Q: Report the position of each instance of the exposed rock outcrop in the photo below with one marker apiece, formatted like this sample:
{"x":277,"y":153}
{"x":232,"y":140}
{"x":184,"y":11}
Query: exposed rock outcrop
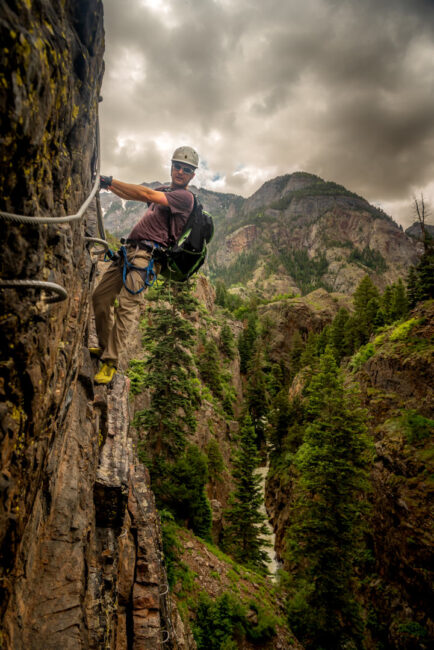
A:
{"x":287,"y":317}
{"x":80,"y":541}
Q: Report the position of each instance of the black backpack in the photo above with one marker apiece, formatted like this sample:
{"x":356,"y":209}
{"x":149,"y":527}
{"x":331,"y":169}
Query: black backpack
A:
{"x":186,"y":255}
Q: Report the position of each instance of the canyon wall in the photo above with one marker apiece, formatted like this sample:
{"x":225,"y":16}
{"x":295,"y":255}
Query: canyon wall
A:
{"x":80,"y":542}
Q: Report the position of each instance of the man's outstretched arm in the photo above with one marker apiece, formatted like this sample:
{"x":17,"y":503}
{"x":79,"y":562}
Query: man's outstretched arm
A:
{"x":132,"y":192}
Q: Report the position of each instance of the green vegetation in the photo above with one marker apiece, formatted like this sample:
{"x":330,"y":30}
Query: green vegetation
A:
{"x":369,"y":257}
{"x":227,"y":342}
{"x":168,"y":337}
{"x":137,"y":373}
{"x":209,"y":367}
{"x":246,"y":524}
{"x":324,"y":534}
{"x":415,"y":426}
{"x":402,"y":331}
{"x":226,"y":620}
{"x":421,"y":277}
{"x":361,"y":357}
{"x":307,"y":272}
{"x":246,"y":341}
{"x":242,"y":267}
{"x":113,"y":241}
{"x":221,"y":622}
{"x":215,"y":461}
{"x":178,"y":470}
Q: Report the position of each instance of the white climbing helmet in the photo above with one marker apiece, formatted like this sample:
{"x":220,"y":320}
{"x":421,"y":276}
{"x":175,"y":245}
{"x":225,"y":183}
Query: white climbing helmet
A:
{"x":186,"y":155}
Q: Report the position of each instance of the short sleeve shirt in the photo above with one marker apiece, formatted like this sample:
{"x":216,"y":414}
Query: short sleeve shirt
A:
{"x":153,"y":226}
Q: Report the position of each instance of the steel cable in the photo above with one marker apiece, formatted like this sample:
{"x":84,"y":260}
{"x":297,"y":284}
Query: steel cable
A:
{"x":20,"y":218}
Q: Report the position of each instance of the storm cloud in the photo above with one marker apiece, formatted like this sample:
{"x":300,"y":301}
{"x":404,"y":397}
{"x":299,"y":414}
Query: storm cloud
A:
{"x":342,"y":89}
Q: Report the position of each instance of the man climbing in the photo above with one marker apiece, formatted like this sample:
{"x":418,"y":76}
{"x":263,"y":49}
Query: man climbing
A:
{"x":168,"y":209}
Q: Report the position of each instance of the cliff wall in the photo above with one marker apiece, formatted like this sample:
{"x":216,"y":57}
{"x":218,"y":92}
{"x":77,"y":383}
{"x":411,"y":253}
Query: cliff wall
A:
{"x":80,"y":542}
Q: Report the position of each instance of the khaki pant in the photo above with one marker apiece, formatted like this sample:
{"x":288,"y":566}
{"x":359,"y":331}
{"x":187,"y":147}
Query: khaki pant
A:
{"x":112,"y":331}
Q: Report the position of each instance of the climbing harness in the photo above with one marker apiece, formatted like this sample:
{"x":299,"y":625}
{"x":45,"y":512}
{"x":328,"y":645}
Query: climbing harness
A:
{"x":52,"y":286}
{"x":127,"y":267}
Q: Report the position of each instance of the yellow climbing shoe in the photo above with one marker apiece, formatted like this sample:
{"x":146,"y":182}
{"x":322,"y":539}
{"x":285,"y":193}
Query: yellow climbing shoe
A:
{"x":95,"y":352}
{"x":106,"y":374}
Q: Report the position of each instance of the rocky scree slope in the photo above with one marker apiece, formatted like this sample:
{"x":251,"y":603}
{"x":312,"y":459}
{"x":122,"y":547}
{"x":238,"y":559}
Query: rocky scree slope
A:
{"x":80,"y":542}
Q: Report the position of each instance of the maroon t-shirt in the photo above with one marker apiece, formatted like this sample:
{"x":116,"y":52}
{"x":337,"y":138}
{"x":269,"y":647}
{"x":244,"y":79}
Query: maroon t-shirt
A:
{"x":153,"y":225}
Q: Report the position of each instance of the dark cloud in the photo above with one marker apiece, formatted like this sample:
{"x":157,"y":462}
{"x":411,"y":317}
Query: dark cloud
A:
{"x":343,"y":89}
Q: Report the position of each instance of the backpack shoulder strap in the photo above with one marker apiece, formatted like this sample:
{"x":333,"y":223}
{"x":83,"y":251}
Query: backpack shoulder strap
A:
{"x":172,"y":238}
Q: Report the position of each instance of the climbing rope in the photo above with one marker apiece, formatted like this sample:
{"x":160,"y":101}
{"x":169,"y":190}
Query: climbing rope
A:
{"x":20,"y":218}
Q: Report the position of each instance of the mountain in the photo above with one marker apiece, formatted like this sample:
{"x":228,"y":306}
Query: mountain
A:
{"x":298,"y":233}
{"x":415,"y":230}
{"x":295,"y":234}
{"x":120,"y":216}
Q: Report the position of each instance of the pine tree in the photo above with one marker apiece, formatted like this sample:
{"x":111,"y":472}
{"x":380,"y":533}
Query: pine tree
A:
{"x":247,"y":340}
{"x":215,"y":461}
{"x":399,"y":304}
{"x":386,"y":304}
{"x":366,"y":303}
{"x":323,"y":340}
{"x":297,"y":347}
{"x":275,"y":379}
{"x":257,"y":397}
{"x":246,"y":523}
{"x":227,"y":341}
{"x":421,"y":278}
{"x":182,"y":489}
{"x":325,"y":530}
{"x":280,"y":421}
{"x":337,"y":335}
{"x":220,"y":294}
{"x":308,"y":356}
{"x":168,"y":338}
{"x":209,"y":368}
{"x":414,"y":291}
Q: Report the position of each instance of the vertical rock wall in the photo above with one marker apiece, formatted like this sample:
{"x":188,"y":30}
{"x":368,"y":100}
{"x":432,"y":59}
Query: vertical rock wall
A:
{"x":80,"y":546}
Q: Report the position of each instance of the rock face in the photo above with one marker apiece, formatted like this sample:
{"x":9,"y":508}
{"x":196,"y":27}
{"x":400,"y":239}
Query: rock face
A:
{"x":238,"y":242}
{"x":397,"y":386}
{"x":287,"y":317}
{"x":80,"y":542}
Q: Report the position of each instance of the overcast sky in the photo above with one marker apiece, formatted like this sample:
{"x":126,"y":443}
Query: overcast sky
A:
{"x":339,"y":88}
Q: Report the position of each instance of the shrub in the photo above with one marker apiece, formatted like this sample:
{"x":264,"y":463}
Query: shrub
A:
{"x":221,"y":622}
{"x":361,"y":357}
{"x":416,"y":426}
{"x":137,"y":374}
{"x":401,"y":332}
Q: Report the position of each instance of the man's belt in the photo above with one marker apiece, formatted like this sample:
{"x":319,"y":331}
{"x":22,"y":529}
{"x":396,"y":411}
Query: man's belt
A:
{"x":143,"y":244}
